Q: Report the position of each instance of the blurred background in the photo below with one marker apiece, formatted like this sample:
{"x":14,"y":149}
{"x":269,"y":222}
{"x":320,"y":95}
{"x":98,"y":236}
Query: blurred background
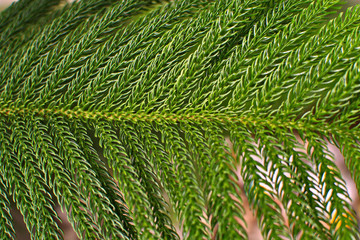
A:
{"x":253,"y":231}
{"x":4,"y":4}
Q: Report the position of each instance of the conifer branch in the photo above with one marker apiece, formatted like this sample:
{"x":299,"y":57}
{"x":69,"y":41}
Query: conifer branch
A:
{"x":6,"y":221}
{"x":143,"y":119}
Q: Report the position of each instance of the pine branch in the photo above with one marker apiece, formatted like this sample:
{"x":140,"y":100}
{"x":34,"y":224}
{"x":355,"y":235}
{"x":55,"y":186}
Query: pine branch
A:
{"x":116,"y":201}
{"x":45,"y":224}
{"x":335,"y":200}
{"x":135,"y":194}
{"x":144,"y":118}
{"x":60,"y":181}
{"x":316,"y":49}
{"x":219,"y":172}
{"x":6,"y":230}
{"x":275,"y":51}
{"x":222,"y":76}
{"x":26,"y":16}
{"x":148,"y":177}
{"x":98,"y":32}
{"x":129,"y":61}
{"x":297,"y":192}
{"x":196,"y":65}
{"x":257,"y":189}
{"x":190,"y":186}
{"x":15,"y":180}
{"x":27,"y":34}
{"x":48,"y":39}
{"x":85,"y":177}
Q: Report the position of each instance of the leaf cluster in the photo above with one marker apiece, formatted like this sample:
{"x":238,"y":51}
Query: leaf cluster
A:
{"x":155,"y":119}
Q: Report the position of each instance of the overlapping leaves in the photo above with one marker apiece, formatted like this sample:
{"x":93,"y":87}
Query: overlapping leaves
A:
{"x":142,"y":118}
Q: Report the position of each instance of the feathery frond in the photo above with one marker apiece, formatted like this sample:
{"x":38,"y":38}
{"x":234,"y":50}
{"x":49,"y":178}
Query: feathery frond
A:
{"x":143,"y":119}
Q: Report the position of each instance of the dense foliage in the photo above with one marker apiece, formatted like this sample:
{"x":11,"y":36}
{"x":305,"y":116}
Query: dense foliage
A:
{"x":143,"y":118}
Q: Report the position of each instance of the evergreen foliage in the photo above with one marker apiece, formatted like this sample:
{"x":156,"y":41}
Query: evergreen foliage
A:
{"x":140,"y":117}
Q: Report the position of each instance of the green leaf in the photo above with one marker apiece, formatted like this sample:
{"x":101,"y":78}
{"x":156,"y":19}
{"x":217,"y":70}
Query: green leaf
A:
{"x":160,"y":119}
